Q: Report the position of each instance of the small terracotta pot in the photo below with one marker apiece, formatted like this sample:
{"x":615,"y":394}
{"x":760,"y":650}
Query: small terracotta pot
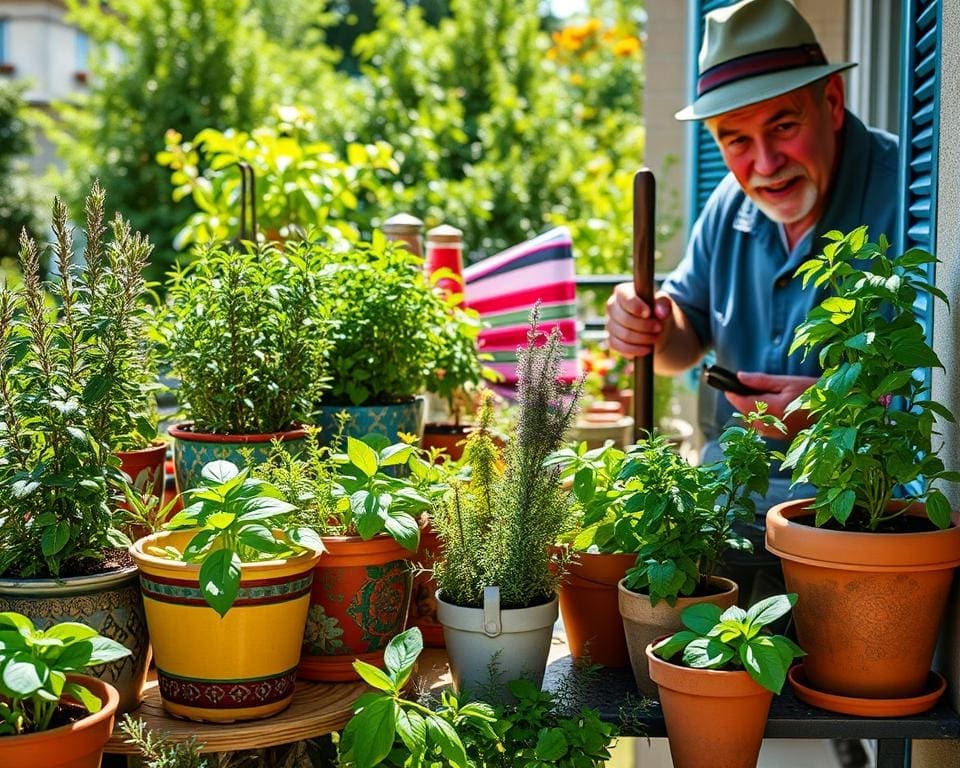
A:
{"x":712,"y":717}
{"x":589,"y":604}
{"x":77,"y":745}
{"x":643,"y":623}
{"x":145,"y":467}
{"x":869,"y":605}
{"x":360,"y":599}
{"x":450,"y":437}
{"x":192,"y":450}
{"x":423,"y":600}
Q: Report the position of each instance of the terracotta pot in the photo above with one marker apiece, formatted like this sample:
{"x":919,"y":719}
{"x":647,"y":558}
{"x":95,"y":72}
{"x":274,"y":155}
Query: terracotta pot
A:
{"x":77,"y":745}
{"x":192,"y":450}
{"x":589,"y":604}
{"x":712,"y":717}
{"x":145,"y":467}
{"x":643,"y":623}
{"x":242,"y":666}
{"x":869,"y":605}
{"x":109,"y":602}
{"x":359,"y":601}
{"x":423,"y":599}
{"x":449,"y":437}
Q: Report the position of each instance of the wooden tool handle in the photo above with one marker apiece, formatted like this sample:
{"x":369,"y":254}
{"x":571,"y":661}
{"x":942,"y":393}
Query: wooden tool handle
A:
{"x":644,"y":247}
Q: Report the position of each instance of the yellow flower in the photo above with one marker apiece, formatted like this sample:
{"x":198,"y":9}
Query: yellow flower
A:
{"x":626,"y":46}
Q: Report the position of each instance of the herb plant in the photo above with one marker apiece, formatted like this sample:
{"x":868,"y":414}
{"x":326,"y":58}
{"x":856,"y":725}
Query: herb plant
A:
{"x":389,"y":730}
{"x":34,"y":665}
{"x":75,"y":384}
{"x":395,"y":334}
{"x":735,"y":639}
{"x":241,"y":519}
{"x":498,"y":527}
{"x":684,"y":515}
{"x":246,"y":334}
{"x":872,"y":419}
{"x":351,"y":494}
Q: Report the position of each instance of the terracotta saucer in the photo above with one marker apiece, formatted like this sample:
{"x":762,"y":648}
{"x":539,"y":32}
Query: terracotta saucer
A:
{"x":850,"y":705}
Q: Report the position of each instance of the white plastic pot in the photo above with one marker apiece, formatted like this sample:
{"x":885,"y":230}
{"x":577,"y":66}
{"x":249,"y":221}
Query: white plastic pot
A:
{"x":493,"y":646}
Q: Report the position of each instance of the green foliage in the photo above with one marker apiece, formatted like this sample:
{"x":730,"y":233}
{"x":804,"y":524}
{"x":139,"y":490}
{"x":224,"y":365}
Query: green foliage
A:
{"x":246,"y":334}
{"x":352,"y":493}
{"x":75,"y":382}
{"x":872,"y":419}
{"x":684,"y":515}
{"x":301,"y":183}
{"x":389,"y":730}
{"x":160,"y":750}
{"x":240,"y":519}
{"x":34,"y":665}
{"x":394,"y":332}
{"x":19,"y":198}
{"x":735,"y":639}
{"x":498,"y":527}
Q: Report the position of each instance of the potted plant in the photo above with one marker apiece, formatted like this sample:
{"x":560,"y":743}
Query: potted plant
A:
{"x":50,"y":714}
{"x":864,"y":564}
{"x":70,"y":384}
{"x":245,"y":333}
{"x":684,"y":517}
{"x":368,"y":521}
{"x":497,"y":581}
{"x":716,"y":679}
{"x":234,"y":564}
{"x":394,"y":333}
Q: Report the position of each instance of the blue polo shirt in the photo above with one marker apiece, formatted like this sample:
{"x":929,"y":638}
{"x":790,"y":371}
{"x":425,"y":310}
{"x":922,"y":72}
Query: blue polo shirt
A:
{"x":735,"y":283}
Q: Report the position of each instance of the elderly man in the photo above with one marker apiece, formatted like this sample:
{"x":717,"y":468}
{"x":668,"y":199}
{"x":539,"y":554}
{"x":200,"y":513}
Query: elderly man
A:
{"x":800,"y":165}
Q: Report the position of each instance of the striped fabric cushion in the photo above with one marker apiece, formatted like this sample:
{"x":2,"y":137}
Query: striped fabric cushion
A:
{"x":503,"y":288}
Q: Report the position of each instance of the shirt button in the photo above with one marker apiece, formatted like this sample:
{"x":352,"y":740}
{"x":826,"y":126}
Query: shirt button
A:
{"x":782,"y":282}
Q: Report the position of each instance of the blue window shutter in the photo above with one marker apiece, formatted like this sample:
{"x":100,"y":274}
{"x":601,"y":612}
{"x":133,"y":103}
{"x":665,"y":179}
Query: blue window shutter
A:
{"x":919,"y":129}
{"x":705,"y":167}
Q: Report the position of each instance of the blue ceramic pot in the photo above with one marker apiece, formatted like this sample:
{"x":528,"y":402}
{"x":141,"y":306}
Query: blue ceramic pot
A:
{"x":387,"y":420}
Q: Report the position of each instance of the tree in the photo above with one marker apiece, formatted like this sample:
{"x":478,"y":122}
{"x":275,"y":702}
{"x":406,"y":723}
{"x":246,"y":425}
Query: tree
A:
{"x":18,"y":198}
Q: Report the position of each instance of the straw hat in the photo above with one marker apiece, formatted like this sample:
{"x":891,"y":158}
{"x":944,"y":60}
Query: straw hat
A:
{"x":752,"y":51}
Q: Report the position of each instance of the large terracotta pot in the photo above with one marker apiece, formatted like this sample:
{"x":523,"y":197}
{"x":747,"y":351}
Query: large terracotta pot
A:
{"x":108,"y":602}
{"x":713,"y":718}
{"x":423,"y":599}
{"x":869,"y":605}
{"x":145,"y":467}
{"x":589,"y":604}
{"x":242,"y":666}
{"x":192,"y":450}
{"x":77,"y":745}
{"x":643,"y":622}
{"x":359,"y":601}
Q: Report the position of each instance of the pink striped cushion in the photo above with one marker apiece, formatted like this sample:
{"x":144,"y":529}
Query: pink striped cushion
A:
{"x":505,"y":287}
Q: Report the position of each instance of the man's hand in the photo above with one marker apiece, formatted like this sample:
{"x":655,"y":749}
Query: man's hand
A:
{"x":634,"y":329}
{"x":777,"y":392}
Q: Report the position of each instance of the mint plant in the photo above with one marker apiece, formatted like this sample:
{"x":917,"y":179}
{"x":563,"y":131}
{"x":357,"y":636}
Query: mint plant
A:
{"x":241,"y":519}
{"x":735,"y":639}
{"x":34,"y":665}
{"x":684,"y":515}
{"x":872,"y":419}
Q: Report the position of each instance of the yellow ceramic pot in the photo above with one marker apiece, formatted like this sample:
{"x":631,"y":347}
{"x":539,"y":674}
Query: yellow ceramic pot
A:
{"x":239,"y":667}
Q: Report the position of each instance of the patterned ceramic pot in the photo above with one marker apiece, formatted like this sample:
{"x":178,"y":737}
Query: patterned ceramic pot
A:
{"x":360,"y":598}
{"x":387,"y":420}
{"x":108,"y":602}
{"x":239,"y":667}
{"x":191,"y":450}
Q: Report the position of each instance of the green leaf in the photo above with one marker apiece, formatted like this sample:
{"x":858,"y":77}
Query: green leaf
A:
{"x":220,"y":579}
{"x":671,"y":646}
{"x":842,"y":505}
{"x":371,"y":732}
{"x":403,"y":528}
{"x":23,"y":675}
{"x":365,"y":507}
{"x":81,"y":694}
{"x":402,"y":652}
{"x":412,"y":730}
{"x":733,"y":613}
{"x":55,"y":538}
{"x":96,"y":388}
{"x":707,"y":653}
{"x":374,"y":676}
{"x":551,"y":745}
{"x":770,"y":609}
{"x":700,"y":617}
{"x":261,"y":539}
{"x":938,"y":509}
{"x":584,"y":484}
{"x":445,"y":737}
{"x":218,"y":472}
{"x":362,"y":456}
{"x":398,"y":453}
{"x":104,"y":650}
{"x":70,"y":632}
{"x":18,"y":622}
{"x":764,"y":663}
{"x":264,"y":508}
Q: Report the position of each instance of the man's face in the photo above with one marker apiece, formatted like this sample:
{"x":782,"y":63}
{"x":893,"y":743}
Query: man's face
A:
{"x":783,"y":151}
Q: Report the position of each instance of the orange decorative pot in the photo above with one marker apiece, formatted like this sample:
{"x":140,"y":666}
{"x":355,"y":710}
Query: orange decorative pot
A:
{"x":644,"y":622}
{"x":360,"y":598}
{"x":423,"y":599}
{"x":451,"y":438}
{"x":712,"y":717}
{"x":869,"y":605}
{"x":77,"y":745}
{"x":590,"y":608}
{"x":146,"y":467}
